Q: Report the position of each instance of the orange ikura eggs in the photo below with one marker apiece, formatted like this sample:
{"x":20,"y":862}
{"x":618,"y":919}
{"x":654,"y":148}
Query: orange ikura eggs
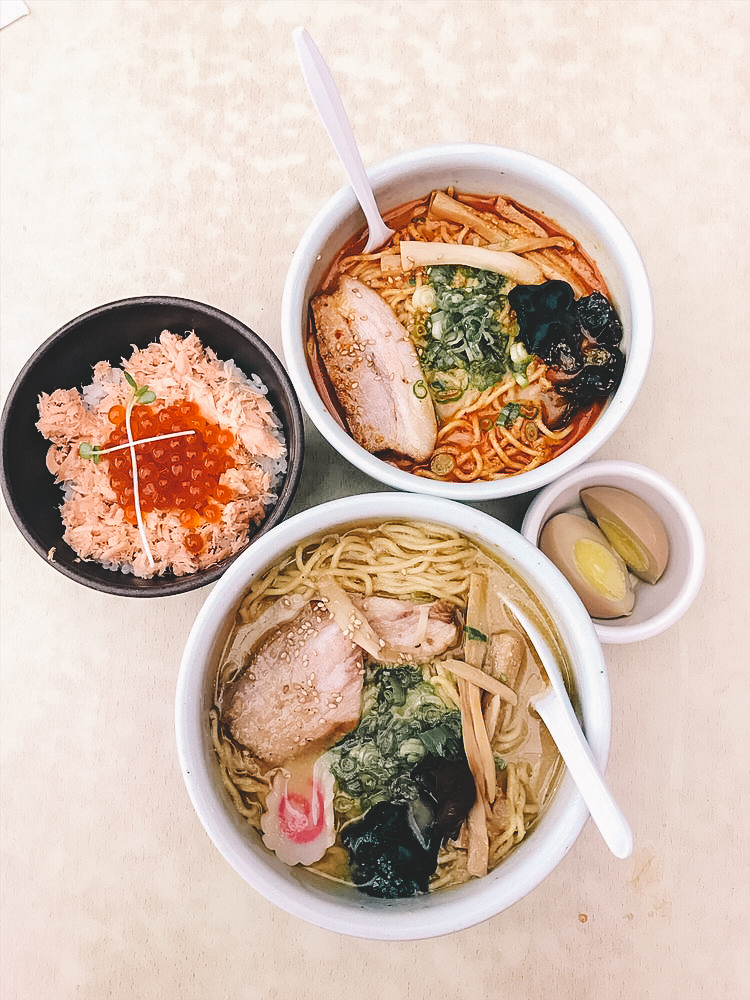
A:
{"x":176,"y":475}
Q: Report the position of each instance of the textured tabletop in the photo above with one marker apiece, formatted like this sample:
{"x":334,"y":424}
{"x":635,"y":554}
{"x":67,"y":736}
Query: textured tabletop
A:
{"x":171,"y":147}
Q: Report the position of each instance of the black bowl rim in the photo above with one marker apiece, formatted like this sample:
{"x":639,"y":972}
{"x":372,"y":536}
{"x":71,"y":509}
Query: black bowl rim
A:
{"x":124,"y":584}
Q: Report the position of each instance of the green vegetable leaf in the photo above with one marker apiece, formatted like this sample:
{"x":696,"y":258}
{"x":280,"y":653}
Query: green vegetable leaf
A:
{"x":437,"y":740}
{"x":403,"y":719}
{"x":130,"y":380}
{"x":508,"y":415}
{"x":474,"y":634}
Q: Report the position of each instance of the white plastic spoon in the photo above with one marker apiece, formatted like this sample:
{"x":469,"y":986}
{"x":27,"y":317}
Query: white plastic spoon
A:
{"x":555,"y":710}
{"x":327,"y":100}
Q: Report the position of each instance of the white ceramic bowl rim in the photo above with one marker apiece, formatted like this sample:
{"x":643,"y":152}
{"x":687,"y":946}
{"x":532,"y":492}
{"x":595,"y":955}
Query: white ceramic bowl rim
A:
{"x":424,"y":916}
{"x":634,"y":475}
{"x":588,"y":205}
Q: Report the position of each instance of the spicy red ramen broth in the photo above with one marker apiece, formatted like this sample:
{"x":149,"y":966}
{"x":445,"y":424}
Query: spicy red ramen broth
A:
{"x":507,"y":342}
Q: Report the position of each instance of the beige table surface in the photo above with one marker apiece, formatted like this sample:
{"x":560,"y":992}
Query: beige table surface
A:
{"x":171,"y":147}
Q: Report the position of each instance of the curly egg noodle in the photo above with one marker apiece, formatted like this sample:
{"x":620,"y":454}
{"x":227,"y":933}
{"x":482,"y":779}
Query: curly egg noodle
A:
{"x":471,"y":444}
{"x":422,"y":562}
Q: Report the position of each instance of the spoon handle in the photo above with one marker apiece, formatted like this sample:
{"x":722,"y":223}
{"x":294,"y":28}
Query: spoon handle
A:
{"x":559,"y":718}
{"x":327,"y":100}
{"x":556,"y":711}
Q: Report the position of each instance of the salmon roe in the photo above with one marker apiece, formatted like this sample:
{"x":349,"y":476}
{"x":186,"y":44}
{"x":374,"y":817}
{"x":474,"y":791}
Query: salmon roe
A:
{"x":178,"y":475}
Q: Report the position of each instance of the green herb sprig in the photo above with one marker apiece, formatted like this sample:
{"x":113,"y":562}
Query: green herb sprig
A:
{"x":141,"y":395}
{"x":94,"y":452}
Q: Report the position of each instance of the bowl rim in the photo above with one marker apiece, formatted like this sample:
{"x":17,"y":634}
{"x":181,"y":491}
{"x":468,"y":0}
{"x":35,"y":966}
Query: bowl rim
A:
{"x":539,"y":510}
{"x":428,"y":916}
{"x":121,"y":583}
{"x":588,"y":204}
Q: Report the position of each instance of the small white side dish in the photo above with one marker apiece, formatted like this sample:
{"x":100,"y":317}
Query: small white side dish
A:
{"x":657,"y":606}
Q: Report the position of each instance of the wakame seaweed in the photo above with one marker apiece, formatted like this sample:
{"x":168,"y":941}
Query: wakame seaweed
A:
{"x":390,"y":856}
{"x":405,"y":768}
{"x":403,"y":719}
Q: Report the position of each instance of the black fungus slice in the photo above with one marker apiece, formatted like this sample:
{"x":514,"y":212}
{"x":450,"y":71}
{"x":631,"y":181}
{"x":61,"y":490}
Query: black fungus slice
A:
{"x":548,"y":323}
{"x":448,"y":787}
{"x":599,"y":321}
{"x":579,"y":340}
{"x":391,"y":855}
{"x":597,"y":379}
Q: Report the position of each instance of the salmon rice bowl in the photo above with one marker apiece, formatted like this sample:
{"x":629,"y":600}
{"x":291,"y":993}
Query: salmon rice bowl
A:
{"x":167,"y":462}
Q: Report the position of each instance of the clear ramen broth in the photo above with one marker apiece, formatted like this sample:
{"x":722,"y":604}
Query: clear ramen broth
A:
{"x":371,"y":715}
{"x":490,"y":347}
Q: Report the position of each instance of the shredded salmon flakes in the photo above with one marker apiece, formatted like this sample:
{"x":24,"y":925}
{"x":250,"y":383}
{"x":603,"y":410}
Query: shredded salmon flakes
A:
{"x":176,"y":369}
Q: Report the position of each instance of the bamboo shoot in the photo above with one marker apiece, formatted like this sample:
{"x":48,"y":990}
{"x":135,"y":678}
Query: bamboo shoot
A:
{"x":415,"y":253}
{"x":462,"y":669}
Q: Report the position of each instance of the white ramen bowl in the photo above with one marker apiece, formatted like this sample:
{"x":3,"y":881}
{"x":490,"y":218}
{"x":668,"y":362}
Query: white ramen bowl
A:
{"x":477,"y":169}
{"x":660,"y":605}
{"x":341,"y":908}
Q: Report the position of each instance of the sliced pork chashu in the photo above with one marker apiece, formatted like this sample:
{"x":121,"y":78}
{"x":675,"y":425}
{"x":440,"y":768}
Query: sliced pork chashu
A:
{"x":300,"y":690}
{"x":409,"y":630}
{"x":373,"y":367}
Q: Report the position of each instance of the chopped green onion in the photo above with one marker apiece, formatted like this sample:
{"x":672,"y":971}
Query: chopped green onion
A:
{"x":442,"y":464}
{"x":518,"y":352}
{"x":420,"y":389}
{"x":447,"y":386}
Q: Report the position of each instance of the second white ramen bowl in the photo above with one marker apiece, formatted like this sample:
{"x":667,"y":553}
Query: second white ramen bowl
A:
{"x":339,"y":907}
{"x":476,"y":169}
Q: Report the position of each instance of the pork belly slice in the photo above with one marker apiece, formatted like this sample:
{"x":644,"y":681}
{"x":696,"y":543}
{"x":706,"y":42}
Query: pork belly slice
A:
{"x":408,"y":629}
{"x":373,"y":367}
{"x":301,"y":689}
